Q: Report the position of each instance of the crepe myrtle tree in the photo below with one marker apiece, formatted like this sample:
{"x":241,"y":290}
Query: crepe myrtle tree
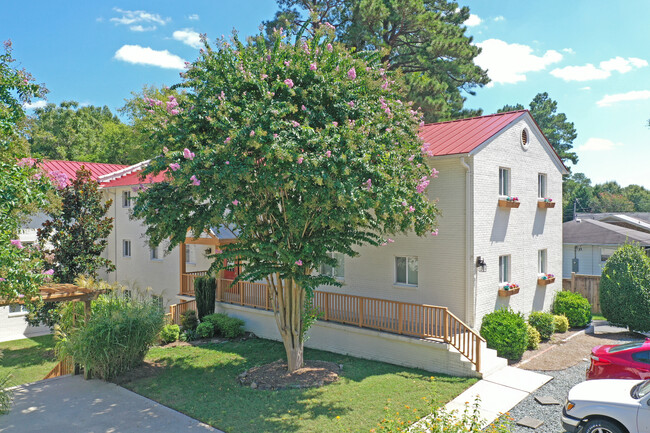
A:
{"x":300,"y":150}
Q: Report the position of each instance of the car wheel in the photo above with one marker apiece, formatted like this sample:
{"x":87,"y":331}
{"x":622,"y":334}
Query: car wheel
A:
{"x":601,"y":426}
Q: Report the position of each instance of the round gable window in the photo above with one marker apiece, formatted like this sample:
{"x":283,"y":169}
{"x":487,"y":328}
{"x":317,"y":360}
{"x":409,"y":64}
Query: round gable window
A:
{"x":525,"y":138}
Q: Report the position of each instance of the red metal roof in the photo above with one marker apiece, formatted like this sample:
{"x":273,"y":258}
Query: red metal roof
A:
{"x":134,"y":178}
{"x":464,"y":135}
{"x":69,"y":168}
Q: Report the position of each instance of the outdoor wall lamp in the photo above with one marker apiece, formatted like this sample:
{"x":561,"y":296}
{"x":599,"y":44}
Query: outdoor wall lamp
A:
{"x":480,"y":264}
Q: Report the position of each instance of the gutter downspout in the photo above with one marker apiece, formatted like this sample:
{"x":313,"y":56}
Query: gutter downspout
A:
{"x":470,"y":301}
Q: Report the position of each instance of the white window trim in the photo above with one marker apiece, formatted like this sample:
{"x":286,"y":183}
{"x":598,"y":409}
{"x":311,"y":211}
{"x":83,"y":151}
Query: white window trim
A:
{"x":188,"y":255}
{"x":508,"y":275}
{"x":405,"y":285}
{"x":128,"y":200}
{"x":539,"y":261}
{"x":508,"y":191}
{"x":21,"y":313}
{"x":542,"y":194}
{"x":334,"y":267}
{"x":151,"y":257}
{"x":130,"y":248}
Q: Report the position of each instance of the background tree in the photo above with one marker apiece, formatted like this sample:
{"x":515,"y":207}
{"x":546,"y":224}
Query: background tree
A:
{"x":22,"y":187}
{"x":300,"y":151}
{"x":578,"y":187}
{"x":639,"y":196}
{"x":78,"y":231}
{"x":88,"y":133}
{"x":558,"y":130}
{"x":425,"y":39}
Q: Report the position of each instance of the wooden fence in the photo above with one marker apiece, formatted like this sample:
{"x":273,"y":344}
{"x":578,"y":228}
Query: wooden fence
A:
{"x":587,"y":285}
{"x":416,"y":320}
{"x":61,"y":369}
{"x":187,"y":282}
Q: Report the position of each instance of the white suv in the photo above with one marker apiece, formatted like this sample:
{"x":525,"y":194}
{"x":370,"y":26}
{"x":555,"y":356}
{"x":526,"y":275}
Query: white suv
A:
{"x":608,"y":406}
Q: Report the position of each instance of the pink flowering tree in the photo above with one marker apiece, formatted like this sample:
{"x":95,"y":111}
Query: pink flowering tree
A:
{"x":299,"y":151}
{"x":23,"y":189}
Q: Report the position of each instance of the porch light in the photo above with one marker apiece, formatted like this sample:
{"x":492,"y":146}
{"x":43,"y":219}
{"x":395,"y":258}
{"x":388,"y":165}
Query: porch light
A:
{"x":480,"y":264}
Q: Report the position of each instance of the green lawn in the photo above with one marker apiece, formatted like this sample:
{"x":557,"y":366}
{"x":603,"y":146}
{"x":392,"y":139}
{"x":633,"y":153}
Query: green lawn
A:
{"x":202,"y":383}
{"x":28,"y":360}
{"x":597,"y":317}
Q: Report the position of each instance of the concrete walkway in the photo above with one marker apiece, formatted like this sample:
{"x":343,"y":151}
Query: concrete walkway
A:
{"x":70,"y":404}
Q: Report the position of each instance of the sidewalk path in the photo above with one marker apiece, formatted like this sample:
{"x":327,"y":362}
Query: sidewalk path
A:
{"x":71,"y":404}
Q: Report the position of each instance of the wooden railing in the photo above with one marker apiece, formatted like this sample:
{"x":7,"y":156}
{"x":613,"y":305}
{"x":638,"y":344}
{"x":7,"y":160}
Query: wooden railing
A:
{"x":61,"y":369}
{"x":417,"y":320}
{"x":187,"y":282}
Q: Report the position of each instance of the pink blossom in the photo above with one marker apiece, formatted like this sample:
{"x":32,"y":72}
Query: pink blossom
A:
{"x":328,"y":153}
{"x":38,"y":176}
{"x":434,"y":173}
{"x":21,"y":296}
{"x":335,"y":124}
{"x":424,"y":182}
{"x":187,"y":154}
{"x":227,"y":140}
{"x":227,"y":162}
{"x":351,"y":104}
{"x":313,"y":67}
{"x":295,"y":124}
{"x":60,"y":178}
{"x":303,"y":108}
{"x":174,"y":166}
{"x":411,"y":158}
{"x":195,"y":181}
{"x":165,"y":150}
{"x":289,"y":82}
{"x":263,"y":76}
{"x":434,"y":233}
{"x":252,"y":134}
{"x":174,"y":112}
{"x":299,"y":262}
{"x":300,"y":160}
{"x":17,"y":243}
{"x":330,"y":47}
{"x":352,"y":73}
{"x":48,"y":272}
{"x":404,"y":203}
{"x":2,"y":279}
{"x":390,"y":241}
{"x":329,"y":26}
{"x":218,"y":251}
{"x":235,"y":202}
{"x":368,"y":184}
{"x":384,"y":244}
{"x":26,"y":162}
{"x":275,"y":135}
{"x":411,"y":209}
{"x":305,"y":48}
{"x":287,"y":62}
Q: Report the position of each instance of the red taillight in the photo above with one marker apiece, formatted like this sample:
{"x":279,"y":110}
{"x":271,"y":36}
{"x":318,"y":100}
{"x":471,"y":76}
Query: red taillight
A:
{"x":596,"y":361}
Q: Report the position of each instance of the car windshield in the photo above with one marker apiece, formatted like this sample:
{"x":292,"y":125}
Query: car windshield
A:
{"x":642,"y":389}
{"x":625,"y":346}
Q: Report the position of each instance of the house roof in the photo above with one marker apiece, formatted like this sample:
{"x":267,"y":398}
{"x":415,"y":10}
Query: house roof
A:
{"x":69,"y":168}
{"x":642,"y":217}
{"x":594,"y":232}
{"x":464,"y":135}
{"x":134,"y":178}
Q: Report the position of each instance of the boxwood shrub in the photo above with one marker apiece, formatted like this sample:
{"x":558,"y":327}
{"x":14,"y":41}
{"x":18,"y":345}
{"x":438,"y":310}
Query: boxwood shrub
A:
{"x":575,"y":307}
{"x":189,"y":321}
{"x":169,"y":333}
{"x":205,"y":330}
{"x":625,"y":288}
{"x":505,"y":331}
{"x":561,"y":323}
{"x":543,"y":322}
{"x":225,"y":326}
{"x":533,"y":337}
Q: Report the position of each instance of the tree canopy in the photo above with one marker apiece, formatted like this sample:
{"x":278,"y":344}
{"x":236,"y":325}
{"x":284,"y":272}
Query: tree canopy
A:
{"x":300,"y":151}
{"x":558,"y":130}
{"x":425,"y":39}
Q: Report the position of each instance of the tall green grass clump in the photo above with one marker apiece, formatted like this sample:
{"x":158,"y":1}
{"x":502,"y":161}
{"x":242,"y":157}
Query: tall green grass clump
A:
{"x":205,"y":295}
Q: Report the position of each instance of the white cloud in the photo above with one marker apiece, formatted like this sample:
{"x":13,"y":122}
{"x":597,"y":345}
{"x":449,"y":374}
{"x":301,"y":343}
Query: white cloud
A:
{"x":568,"y":50}
{"x":193,"y":17}
{"x":509,"y":63}
{"x":34,"y":105}
{"x":603,"y":70}
{"x":135,"y":19}
{"x":473,"y":20}
{"x":188,"y":37}
{"x":599,"y":145}
{"x":585,"y":88}
{"x":146,"y":56}
{"x":499,"y":18}
{"x":635,"y":95}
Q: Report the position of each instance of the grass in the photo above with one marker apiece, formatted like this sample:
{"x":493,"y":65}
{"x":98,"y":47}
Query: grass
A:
{"x":597,"y":317}
{"x":202,"y":383}
{"x":27,"y":360}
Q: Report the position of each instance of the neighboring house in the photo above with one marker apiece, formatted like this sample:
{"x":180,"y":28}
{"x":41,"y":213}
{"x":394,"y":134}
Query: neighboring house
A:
{"x":12,"y":318}
{"x":591,"y":239}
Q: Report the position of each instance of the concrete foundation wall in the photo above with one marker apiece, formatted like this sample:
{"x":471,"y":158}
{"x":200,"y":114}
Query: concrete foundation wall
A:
{"x":363,"y":343}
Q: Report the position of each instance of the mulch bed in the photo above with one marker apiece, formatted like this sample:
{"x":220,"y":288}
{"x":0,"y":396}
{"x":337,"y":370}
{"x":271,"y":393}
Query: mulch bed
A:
{"x":275,"y":376}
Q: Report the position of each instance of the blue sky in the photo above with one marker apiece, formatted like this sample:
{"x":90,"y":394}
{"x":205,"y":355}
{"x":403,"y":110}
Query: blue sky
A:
{"x":590,"y":55}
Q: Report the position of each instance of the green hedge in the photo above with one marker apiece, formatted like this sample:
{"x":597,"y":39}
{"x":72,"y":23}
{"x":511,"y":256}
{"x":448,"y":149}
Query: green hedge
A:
{"x":533,"y":337}
{"x":505,"y":331}
{"x":543,"y":322}
{"x":225,"y":326}
{"x":170,"y":333}
{"x":561,"y":323}
{"x":189,"y":321}
{"x":205,"y":330}
{"x":625,"y":288}
{"x":575,"y":307}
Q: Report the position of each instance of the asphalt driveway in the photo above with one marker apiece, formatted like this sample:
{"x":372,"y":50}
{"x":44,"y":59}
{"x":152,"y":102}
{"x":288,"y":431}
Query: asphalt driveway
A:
{"x":70,"y":404}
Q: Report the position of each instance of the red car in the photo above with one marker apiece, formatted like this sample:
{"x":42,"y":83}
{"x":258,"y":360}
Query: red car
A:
{"x":620,"y":361}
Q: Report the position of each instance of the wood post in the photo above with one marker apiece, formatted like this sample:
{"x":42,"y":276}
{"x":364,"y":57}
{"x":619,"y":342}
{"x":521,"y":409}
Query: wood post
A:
{"x":241,"y":293}
{"x":87,"y":310}
{"x":400,"y":314}
{"x":445,"y":324}
{"x":477,"y":355}
{"x":573,"y":282}
{"x":266,"y":306}
{"x":326,"y":309}
{"x":360,"y":304}
{"x":182,"y":264}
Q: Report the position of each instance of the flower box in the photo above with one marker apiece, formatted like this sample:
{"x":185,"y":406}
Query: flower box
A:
{"x":510,"y":292}
{"x":545,"y":204}
{"x":507,"y":202}
{"x":545,"y":279}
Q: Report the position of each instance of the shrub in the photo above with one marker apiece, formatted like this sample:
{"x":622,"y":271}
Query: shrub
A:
{"x":170,"y":333}
{"x":189,"y":321}
{"x":204,"y":292}
{"x":188,"y":335}
{"x":543,"y":322}
{"x":205,"y":330}
{"x":561,"y":323}
{"x":533,"y":337}
{"x":574,"y":306}
{"x":625,"y":288}
{"x":6,"y":394}
{"x":505,"y":331}
{"x":116,"y":337}
{"x":226,"y":326}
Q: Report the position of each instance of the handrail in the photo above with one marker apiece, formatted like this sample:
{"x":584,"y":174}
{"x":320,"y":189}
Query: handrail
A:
{"x":187,"y":282}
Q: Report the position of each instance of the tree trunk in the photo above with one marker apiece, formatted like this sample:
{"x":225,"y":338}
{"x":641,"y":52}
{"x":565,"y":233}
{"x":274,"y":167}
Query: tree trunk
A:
{"x":289,"y":308}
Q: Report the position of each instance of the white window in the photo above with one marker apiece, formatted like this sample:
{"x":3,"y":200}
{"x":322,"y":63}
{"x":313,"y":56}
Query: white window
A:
{"x":189,"y":254}
{"x":606,"y":253}
{"x":406,"y":270}
{"x":126,"y":199}
{"x":154,"y":253}
{"x":541,"y":261}
{"x":504,"y":181}
{"x":504,"y":269}
{"x":337,"y":271}
{"x":17,"y":309}
{"x":126,"y":248}
{"x":158,"y":300}
{"x":541,"y":185}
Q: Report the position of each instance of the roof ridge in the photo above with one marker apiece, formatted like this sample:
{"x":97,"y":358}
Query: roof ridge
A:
{"x":476,"y":117}
{"x":80,"y":162}
{"x":123,"y":172}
